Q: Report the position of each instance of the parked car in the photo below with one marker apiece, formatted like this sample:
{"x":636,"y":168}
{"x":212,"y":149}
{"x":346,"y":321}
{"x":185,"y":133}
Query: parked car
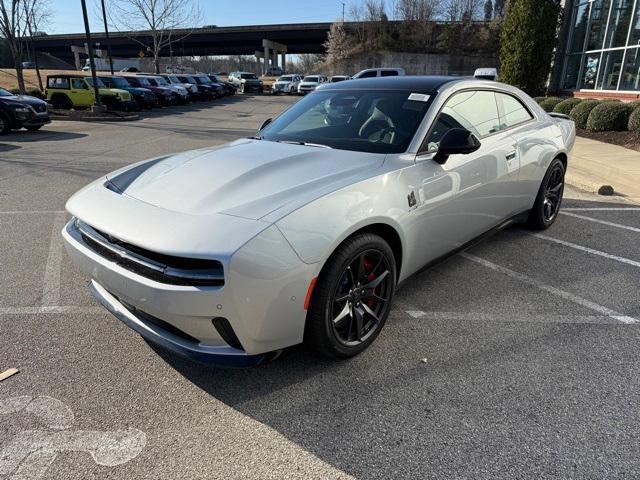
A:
{"x":274,"y":72}
{"x":310,"y":83}
{"x":28,"y":65}
{"x":228,"y":88}
{"x":339,"y":78}
{"x":21,"y":111}
{"x":204,"y":92}
{"x":216,"y":89}
{"x":246,"y":82}
{"x":380,"y":72}
{"x":143,"y":97}
{"x":192,"y":88}
{"x":303,"y":232}
{"x":182,"y":95}
{"x":165,"y":95}
{"x":67,"y":91}
{"x":286,"y":84}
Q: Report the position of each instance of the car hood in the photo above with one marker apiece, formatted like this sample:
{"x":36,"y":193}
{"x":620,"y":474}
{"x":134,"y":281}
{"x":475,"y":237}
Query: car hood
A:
{"x":310,"y":84}
{"x":282,"y":83}
{"x":246,"y":178}
{"x":24,"y":99}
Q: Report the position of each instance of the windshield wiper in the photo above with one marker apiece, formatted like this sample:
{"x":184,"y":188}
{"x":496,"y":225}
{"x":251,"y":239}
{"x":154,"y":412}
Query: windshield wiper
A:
{"x":306,"y":144}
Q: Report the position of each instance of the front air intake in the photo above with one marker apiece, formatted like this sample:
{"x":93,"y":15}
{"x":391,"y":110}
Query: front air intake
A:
{"x":225,"y":330}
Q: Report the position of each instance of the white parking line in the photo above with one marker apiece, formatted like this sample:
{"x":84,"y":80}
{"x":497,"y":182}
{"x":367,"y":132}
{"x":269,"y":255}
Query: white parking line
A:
{"x":603,"y":222}
{"x":599,"y":209}
{"x":553,"y":290}
{"x":588,"y":250}
{"x":51,"y":280}
{"x":511,"y":317}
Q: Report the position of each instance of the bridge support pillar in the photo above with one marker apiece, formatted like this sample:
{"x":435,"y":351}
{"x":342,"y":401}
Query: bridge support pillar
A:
{"x":283,"y":61}
{"x":275,"y":48}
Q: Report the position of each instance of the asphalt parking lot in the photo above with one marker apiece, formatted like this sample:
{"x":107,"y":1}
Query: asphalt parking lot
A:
{"x":516,"y":359}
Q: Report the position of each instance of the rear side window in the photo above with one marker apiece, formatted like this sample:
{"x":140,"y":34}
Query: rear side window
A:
{"x":389,"y":73}
{"x":57,"y":82}
{"x":476,"y":111}
{"x":512,"y":111}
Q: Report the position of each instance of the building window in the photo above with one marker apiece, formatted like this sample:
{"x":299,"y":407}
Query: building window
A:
{"x":579,"y":27}
{"x":571,"y":72}
{"x":590,"y":70}
{"x":634,"y":37}
{"x":619,"y":22}
{"x":611,"y":67}
{"x":599,"y":16}
{"x":631,"y":71}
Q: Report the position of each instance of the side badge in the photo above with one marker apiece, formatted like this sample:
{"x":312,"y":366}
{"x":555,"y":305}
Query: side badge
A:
{"x":412,"y":199}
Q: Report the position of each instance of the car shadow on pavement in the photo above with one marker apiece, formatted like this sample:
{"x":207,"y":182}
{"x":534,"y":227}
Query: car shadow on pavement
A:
{"x":454,"y":396}
{"x":8,"y":148}
{"x":41,"y":135}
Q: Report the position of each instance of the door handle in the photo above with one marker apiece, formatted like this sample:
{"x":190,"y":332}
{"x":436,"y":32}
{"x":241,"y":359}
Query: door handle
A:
{"x":511,"y":156}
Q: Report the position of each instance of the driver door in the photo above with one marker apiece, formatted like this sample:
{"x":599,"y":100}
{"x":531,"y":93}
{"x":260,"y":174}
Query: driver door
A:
{"x":464,"y":197}
{"x":81,"y":94}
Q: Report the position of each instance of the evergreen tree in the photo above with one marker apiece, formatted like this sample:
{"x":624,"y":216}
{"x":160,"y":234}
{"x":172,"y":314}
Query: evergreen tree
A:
{"x":527,"y":40}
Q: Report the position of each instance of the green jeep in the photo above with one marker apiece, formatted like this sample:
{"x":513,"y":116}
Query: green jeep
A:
{"x":76,"y":91}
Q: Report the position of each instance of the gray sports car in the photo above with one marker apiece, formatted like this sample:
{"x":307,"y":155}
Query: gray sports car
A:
{"x":302,"y":233}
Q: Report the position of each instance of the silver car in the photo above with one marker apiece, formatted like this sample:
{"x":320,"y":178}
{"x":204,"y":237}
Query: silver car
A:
{"x":286,"y":84}
{"x":229,"y":254}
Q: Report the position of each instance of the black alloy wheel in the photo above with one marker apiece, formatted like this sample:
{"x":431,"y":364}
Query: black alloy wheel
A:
{"x":547,"y":205}
{"x":352,"y":297}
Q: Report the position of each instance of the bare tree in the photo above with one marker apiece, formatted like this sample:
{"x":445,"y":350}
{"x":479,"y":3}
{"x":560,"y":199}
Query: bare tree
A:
{"x":462,"y":10}
{"x":338,"y":44}
{"x":159,"y":17}
{"x":416,"y":17}
{"x":488,"y":10}
{"x":37,"y":14}
{"x":13,"y":27}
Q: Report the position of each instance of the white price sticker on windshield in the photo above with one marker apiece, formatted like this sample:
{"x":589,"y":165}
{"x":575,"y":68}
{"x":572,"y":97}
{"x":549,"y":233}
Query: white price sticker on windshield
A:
{"x":419,"y":97}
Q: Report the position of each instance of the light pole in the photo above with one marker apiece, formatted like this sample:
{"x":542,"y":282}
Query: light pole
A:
{"x":98,"y":105}
{"x":342,"y":12}
{"x":106,"y":32}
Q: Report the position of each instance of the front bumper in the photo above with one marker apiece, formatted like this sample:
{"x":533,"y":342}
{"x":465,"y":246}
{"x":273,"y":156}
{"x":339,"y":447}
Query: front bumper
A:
{"x":219,"y":356}
{"x":262,"y":299}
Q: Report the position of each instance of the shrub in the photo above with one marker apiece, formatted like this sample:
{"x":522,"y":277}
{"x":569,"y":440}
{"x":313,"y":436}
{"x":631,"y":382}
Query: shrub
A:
{"x":35,"y":92}
{"x":539,"y":99}
{"x":15,"y":90}
{"x":580,"y":113}
{"x":609,"y":116}
{"x":549,"y":103}
{"x":527,"y":40}
{"x":634,"y":120}
{"x":567,"y":105}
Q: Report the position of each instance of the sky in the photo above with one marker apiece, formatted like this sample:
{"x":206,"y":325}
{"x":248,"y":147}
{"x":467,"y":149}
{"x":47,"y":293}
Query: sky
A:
{"x":67,"y":14}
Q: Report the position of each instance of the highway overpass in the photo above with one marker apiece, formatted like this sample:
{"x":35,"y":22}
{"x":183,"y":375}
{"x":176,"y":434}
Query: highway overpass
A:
{"x":243,"y":40}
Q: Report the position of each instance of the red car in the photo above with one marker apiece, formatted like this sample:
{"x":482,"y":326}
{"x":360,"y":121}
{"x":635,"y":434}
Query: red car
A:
{"x":165,"y":95}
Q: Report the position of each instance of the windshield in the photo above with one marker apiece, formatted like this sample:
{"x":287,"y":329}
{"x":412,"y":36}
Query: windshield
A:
{"x":365,"y":121}
{"x":160,"y":81}
{"x":286,"y":78}
{"x":99,"y":82}
{"x":5,"y":93}
{"x":249,"y":76}
{"x":310,"y":79}
{"x":119,"y":82}
{"x":174,"y":79}
{"x":191,"y":80}
{"x":143,"y":81}
{"x":204,"y":79}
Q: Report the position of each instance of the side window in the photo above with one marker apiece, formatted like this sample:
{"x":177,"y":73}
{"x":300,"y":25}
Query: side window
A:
{"x":512,"y":111}
{"x":389,"y":73}
{"x":58,"y":82}
{"x":476,"y":111}
{"x":370,"y":74}
{"x":78,"y":84}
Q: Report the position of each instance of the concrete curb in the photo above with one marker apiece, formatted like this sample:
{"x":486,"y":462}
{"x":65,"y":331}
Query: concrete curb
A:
{"x":128,"y":118}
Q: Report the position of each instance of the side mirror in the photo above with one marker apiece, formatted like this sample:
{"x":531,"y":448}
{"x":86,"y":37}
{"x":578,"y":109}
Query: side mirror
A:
{"x":265,"y":123}
{"x":456,"y":141}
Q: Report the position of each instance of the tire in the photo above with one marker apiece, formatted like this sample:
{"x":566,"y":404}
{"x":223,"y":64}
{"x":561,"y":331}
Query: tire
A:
{"x":549,"y":199}
{"x":342,"y":321}
{"x":241,"y":89}
{"x":33,"y":128}
{"x":61,"y":102}
{"x":5,"y":124}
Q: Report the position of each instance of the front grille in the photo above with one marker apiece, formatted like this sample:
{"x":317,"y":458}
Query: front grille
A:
{"x":157,"y":322}
{"x":155,"y":266}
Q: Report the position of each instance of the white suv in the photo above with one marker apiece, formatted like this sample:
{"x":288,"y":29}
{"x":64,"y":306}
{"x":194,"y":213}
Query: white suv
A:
{"x":310,"y":83}
{"x":286,"y":84}
{"x":380,"y":72}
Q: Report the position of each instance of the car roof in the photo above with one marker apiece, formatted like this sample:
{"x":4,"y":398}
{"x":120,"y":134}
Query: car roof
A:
{"x":408,"y":83}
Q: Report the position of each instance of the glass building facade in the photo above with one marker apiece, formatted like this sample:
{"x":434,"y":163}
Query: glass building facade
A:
{"x":603,"y":46}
